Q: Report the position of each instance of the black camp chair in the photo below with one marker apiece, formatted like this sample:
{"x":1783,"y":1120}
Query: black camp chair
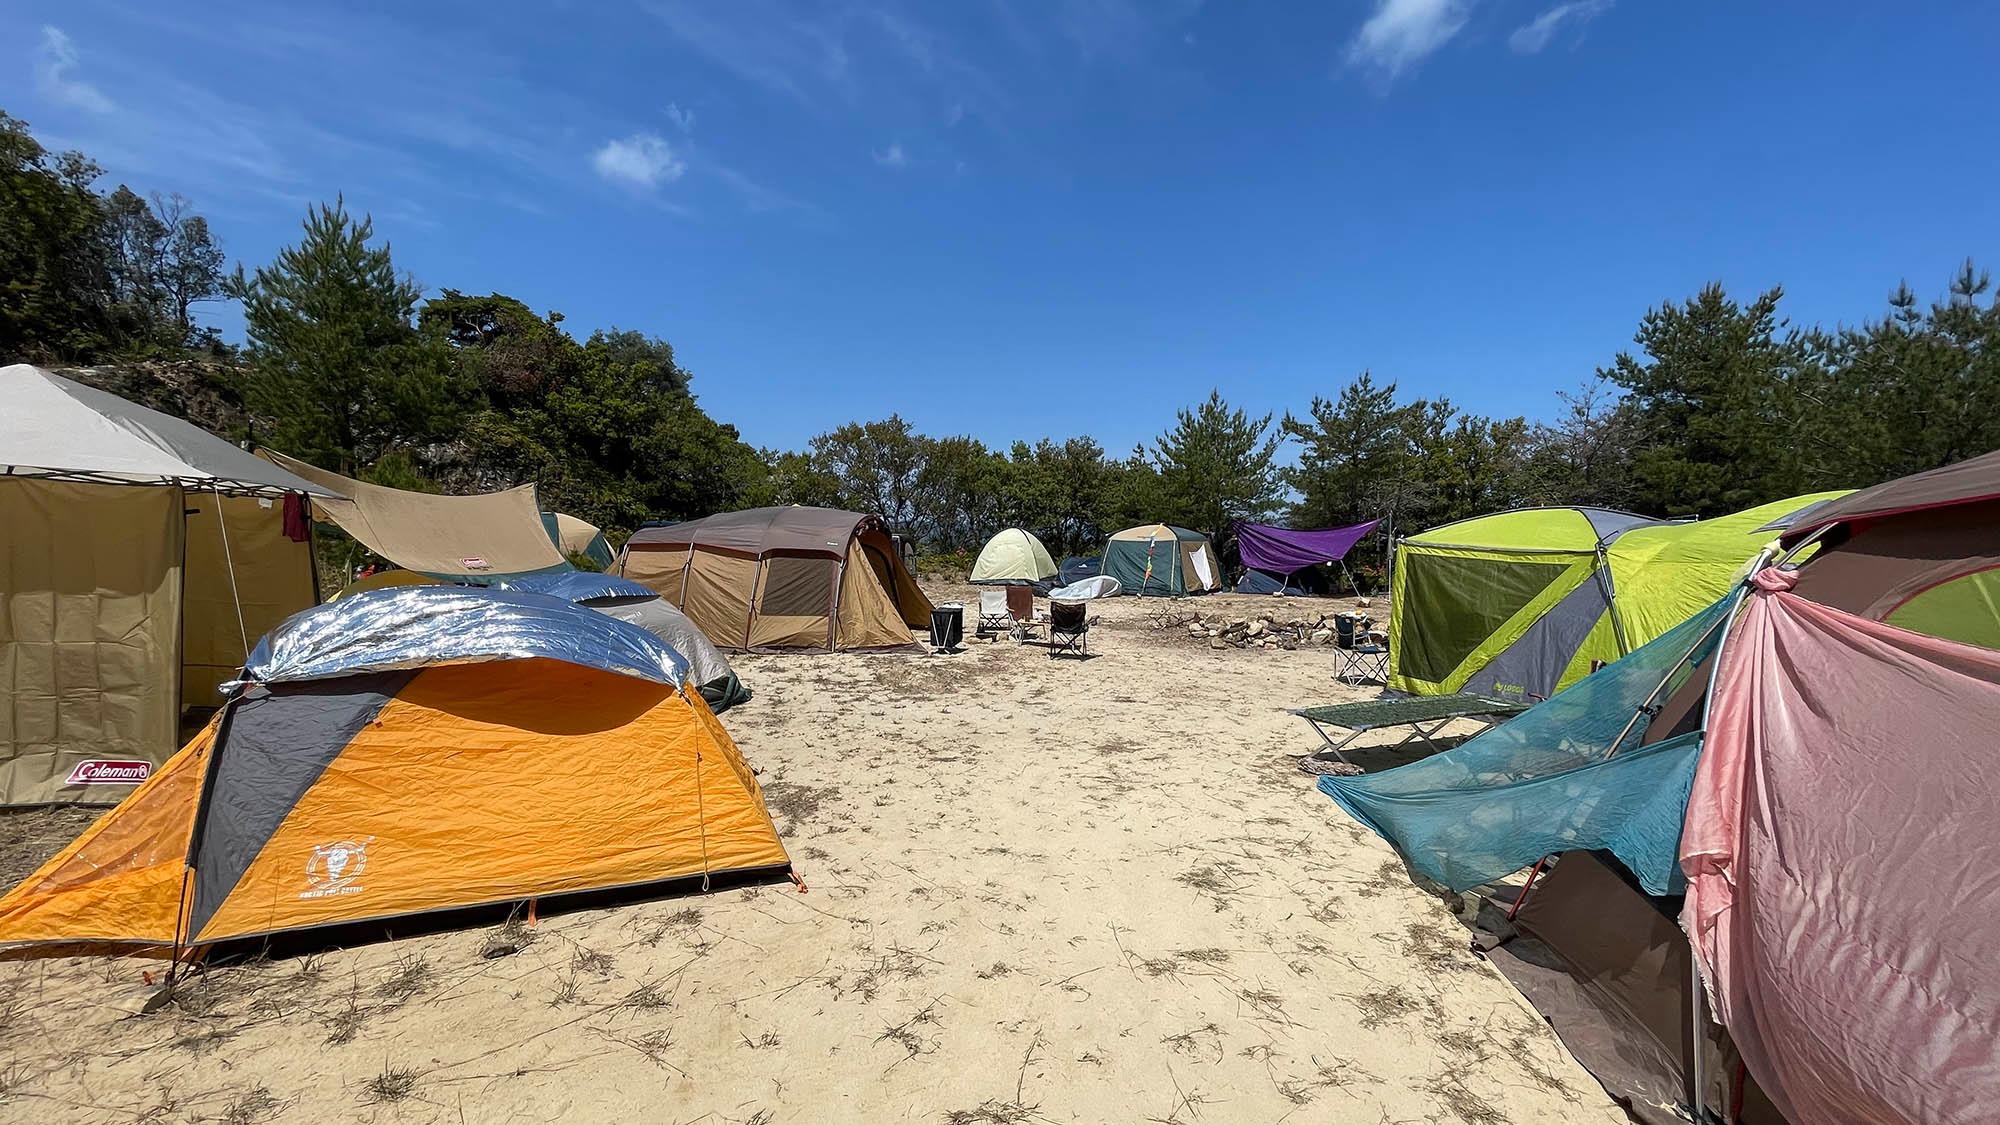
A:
{"x":1362,"y":659}
{"x":1069,"y":629}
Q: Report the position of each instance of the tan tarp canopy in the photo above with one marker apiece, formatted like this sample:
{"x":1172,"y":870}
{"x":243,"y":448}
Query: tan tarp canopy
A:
{"x":782,"y":578}
{"x":488,"y":535}
{"x":119,"y":599}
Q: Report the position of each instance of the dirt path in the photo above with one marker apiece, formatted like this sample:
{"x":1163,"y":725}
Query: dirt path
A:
{"x":1040,"y":892}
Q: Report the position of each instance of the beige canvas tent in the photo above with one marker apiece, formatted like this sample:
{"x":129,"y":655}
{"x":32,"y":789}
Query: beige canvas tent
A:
{"x":143,"y":557}
{"x":782,"y":579}
{"x":488,"y":536}
{"x":1014,"y":557}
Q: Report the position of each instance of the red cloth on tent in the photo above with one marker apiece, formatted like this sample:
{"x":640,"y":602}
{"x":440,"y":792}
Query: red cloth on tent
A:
{"x":1842,"y":849}
{"x":298,"y":525}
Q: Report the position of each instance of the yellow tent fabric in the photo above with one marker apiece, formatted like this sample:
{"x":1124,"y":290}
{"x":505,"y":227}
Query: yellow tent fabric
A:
{"x":1013,"y":556}
{"x":451,"y":786}
{"x":119,"y":607}
{"x":485,"y":536}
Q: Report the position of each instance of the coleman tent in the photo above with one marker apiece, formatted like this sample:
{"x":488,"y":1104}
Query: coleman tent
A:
{"x":1522,"y":604}
{"x":1014,"y":557}
{"x":783,"y":579}
{"x":142,"y":557}
{"x":408,"y":751}
{"x":1155,"y":560}
{"x":1273,"y":554}
{"x":1796,"y":775}
{"x":483,"y":538}
{"x":573,"y":536}
{"x":628,"y":601}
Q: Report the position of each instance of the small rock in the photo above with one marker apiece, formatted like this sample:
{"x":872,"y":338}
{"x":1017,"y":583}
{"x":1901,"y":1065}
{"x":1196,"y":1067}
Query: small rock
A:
{"x":1256,"y":628}
{"x":1217,"y":642}
{"x":1321,"y":636}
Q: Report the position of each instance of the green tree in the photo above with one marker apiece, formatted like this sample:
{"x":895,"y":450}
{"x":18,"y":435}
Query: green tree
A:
{"x":336,"y":362}
{"x":1917,"y":389}
{"x":56,"y":288}
{"x":874,"y":466}
{"x":1718,"y":422}
{"x":1216,"y":466}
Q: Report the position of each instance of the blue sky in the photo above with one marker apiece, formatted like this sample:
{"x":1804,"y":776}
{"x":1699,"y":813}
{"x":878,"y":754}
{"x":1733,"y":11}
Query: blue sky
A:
{"x":1014,"y":218}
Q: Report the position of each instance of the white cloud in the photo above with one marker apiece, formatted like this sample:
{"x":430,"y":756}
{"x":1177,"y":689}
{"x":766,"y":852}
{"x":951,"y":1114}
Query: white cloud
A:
{"x":893,"y":157}
{"x":1402,"y":32}
{"x":683,"y":118}
{"x":1531,"y":37}
{"x":642,"y":160}
{"x":54,"y":65}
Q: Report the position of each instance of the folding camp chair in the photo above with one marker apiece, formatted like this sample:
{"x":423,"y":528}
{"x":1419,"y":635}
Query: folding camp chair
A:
{"x":1069,"y":629}
{"x":1021,"y":607}
{"x":1362,"y":658}
{"x":993,"y":615}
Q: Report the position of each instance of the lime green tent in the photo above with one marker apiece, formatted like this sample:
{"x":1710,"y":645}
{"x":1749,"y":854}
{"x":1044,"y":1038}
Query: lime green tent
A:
{"x":1522,"y":604}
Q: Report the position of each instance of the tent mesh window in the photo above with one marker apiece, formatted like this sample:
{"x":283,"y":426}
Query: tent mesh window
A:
{"x":797,"y":587}
{"x":1466,"y":600}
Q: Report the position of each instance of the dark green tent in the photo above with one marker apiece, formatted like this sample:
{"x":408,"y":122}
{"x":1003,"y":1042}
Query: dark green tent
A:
{"x":1155,"y":560}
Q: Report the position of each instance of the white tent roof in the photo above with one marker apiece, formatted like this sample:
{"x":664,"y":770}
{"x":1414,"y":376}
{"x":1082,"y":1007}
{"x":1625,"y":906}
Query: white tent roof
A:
{"x":53,"y":427}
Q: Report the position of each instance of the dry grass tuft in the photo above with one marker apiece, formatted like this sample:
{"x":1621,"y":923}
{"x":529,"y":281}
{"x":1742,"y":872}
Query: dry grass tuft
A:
{"x":510,"y":938}
{"x":1436,"y":948}
{"x":251,"y":1106}
{"x":647,"y":996}
{"x":1385,"y":1006}
{"x":1469,"y":1108}
{"x":413,"y":973}
{"x":394,"y":1084}
{"x":992,"y":1112}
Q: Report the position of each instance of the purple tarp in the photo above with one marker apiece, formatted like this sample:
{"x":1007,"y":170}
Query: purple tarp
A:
{"x":1281,"y":550}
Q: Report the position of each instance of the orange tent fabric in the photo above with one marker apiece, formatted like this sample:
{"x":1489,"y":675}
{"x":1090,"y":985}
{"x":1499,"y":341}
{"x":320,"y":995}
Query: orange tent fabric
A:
{"x":373,"y":796}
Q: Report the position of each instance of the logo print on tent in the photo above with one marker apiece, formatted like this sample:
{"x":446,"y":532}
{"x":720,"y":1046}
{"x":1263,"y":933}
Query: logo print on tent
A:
{"x":334,"y":867}
{"x":107,"y":771}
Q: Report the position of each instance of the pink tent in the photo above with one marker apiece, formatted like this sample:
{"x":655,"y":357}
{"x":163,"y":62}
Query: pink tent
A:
{"x":1842,"y":847}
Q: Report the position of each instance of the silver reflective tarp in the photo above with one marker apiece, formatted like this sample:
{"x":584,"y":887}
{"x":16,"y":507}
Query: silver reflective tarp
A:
{"x":420,"y":626}
{"x":577,"y":585}
{"x":1100,"y":586}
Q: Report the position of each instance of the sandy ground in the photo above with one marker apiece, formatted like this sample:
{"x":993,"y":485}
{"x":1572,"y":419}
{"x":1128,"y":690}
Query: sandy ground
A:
{"x":1040,"y":891}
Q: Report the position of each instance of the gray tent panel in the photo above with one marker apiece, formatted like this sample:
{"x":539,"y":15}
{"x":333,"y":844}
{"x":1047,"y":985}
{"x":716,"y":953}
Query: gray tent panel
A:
{"x":272,"y":746}
{"x":1609,"y":523}
{"x":708,"y":669}
{"x":1529,"y":668}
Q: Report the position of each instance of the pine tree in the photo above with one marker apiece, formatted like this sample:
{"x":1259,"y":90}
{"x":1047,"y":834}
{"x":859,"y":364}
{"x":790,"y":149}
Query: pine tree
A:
{"x":1217,"y":466}
{"x":336,"y":362}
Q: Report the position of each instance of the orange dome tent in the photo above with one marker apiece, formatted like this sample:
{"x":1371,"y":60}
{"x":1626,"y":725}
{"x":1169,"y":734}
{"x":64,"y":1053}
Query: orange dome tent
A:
{"x":404,"y":751}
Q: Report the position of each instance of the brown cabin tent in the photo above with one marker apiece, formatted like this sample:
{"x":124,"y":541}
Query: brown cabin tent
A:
{"x":782,"y":579}
{"x":143,"y":557}
{"x":1609,"y":965}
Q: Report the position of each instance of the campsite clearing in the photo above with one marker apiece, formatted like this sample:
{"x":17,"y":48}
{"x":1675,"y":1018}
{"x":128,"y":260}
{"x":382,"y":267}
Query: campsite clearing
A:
{"x":1039,"y":891}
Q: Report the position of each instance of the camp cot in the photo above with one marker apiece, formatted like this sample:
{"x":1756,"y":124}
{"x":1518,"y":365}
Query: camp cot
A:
{"x":1786,"y":787}
{"x":143,"y":556}
{"x":573,"y":536}
{"x":477,"y":539}
{"x":1521,"y":604}
{"x":1155,"y":560}
{"x":1013,"y":557}
{"x":783,"y":579}
{"x":403,"y":752}
{"x":1273,"y":556}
